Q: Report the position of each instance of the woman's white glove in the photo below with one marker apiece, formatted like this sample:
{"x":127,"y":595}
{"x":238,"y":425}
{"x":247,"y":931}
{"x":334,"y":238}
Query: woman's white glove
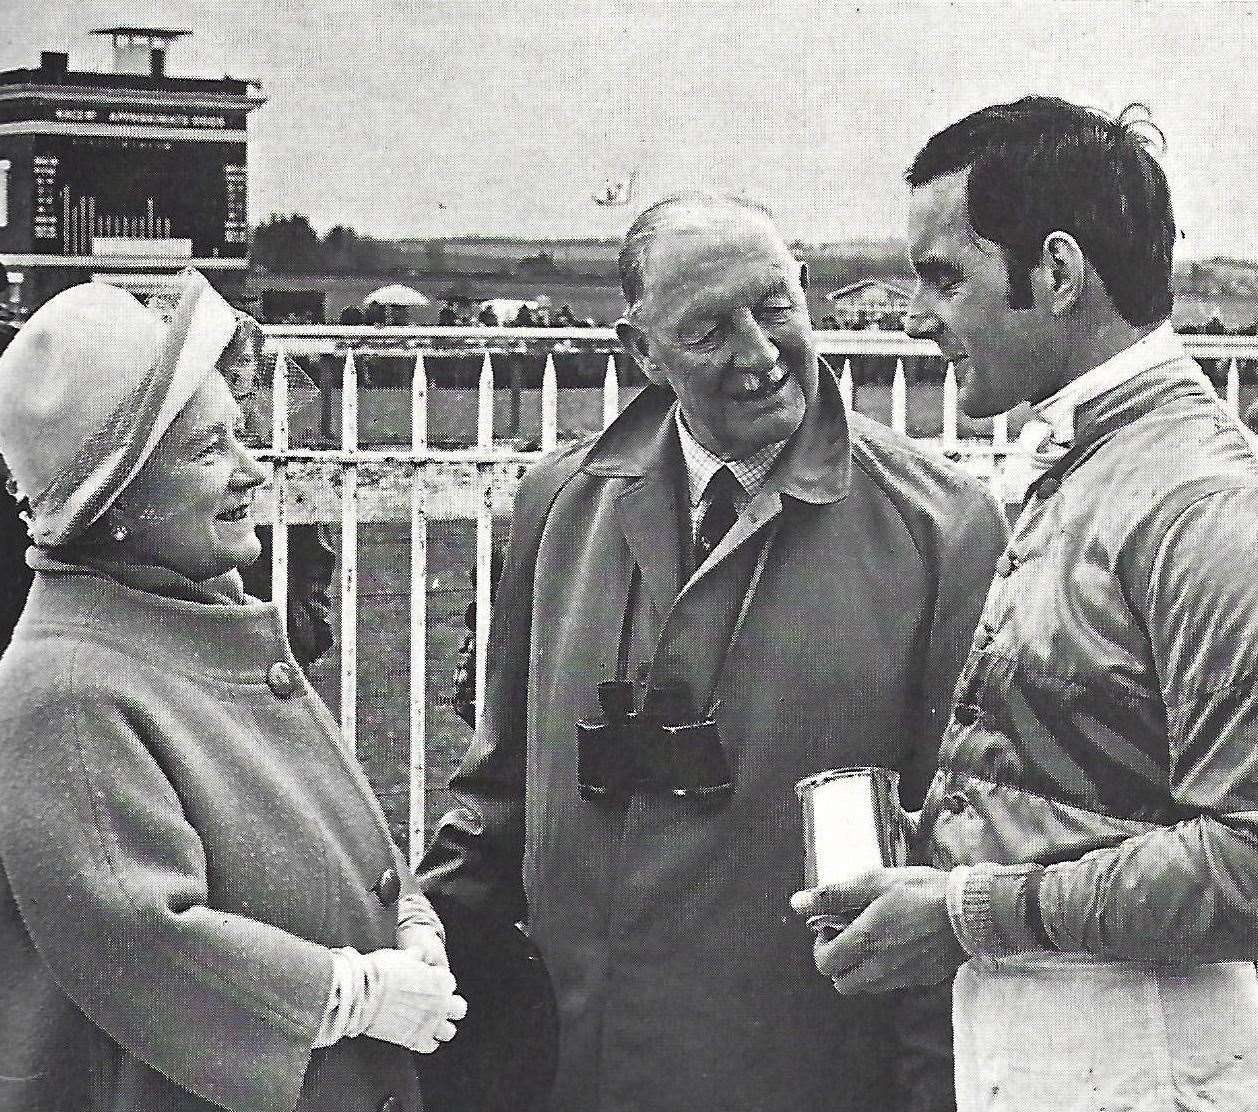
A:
{"x":399,"y":996}
{"x":411,"y":1003}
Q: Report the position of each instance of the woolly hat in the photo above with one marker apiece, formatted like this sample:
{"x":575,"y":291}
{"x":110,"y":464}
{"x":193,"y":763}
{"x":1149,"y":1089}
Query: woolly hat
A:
{"x":88,"y":387}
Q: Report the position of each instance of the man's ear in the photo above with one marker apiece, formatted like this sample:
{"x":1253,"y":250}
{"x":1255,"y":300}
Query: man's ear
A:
{"x":634,"y":341}
{"x":803,"y":276}
{"x":1063,"y":271}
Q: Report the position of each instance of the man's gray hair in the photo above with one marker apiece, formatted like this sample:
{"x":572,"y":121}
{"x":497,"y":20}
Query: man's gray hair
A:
{"x":661,"y":215}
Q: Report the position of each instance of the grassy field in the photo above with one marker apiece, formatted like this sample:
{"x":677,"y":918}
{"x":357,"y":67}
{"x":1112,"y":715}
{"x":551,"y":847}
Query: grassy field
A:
{"x":385,"y":415}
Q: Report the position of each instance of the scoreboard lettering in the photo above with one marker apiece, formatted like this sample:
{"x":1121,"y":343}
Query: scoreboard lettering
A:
{"x":128,"y":117}
{"x":162,"y":119}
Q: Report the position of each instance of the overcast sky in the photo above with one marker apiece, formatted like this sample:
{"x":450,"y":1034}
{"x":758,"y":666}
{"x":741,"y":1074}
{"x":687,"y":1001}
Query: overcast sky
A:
{"x":442,"y":117}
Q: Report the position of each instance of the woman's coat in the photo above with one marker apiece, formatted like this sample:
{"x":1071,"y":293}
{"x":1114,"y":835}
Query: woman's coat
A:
{"x":184,"y":840}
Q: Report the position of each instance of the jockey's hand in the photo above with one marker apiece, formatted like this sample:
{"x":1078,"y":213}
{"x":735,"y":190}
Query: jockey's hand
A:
{"x":902,"y":937}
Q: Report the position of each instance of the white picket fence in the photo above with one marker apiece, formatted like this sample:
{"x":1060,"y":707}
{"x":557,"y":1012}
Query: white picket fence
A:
{"x":423,"y":482}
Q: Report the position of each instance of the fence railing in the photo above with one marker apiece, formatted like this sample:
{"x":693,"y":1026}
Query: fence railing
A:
{"x":418,"y":481}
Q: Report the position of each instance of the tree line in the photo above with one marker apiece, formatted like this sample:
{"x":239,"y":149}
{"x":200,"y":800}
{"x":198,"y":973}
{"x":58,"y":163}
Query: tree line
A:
{"x":289,"y":244}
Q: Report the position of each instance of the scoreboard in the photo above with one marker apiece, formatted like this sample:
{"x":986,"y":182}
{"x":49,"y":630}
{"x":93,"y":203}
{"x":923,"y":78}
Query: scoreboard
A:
{"x":94,"y":187}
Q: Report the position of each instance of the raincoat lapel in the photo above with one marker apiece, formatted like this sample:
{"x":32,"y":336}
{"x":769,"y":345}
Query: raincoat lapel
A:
{"x":648,"y":515}
{"x":641,"y":445}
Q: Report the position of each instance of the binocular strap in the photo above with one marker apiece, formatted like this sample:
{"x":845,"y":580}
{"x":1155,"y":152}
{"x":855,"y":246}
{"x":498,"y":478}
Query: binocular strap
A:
{"x":631,"y":603}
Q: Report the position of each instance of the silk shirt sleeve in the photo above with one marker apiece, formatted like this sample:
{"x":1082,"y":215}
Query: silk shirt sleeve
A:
{"x":1187,"y":892}
{"x":111,"y":882}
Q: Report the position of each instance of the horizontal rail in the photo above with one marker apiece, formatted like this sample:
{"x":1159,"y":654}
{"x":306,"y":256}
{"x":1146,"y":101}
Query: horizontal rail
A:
{"x":397,"y":456}
{"x":305,"y":339}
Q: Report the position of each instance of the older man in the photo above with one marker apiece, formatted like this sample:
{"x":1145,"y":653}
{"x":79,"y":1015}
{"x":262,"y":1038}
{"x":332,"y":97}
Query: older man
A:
{"x":1094,"y":821}
{"x":737,"y":555}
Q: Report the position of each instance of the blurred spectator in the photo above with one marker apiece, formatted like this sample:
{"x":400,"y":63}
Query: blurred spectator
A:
{"x":374,"y":313}
{"x":524,"y":317}
{"x":352,"y":314}
{"x":463,"y":696}
{"x":828,"y":323}
{"x":311,"y":562}
{"x":447,"y":317}
{"x":15,"y":576}
{"x":565,"y":319}
{"x":487,"y":316}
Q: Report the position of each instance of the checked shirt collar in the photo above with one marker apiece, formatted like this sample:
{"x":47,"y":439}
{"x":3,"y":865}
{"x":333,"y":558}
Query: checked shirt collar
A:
{"x":701,"y":465}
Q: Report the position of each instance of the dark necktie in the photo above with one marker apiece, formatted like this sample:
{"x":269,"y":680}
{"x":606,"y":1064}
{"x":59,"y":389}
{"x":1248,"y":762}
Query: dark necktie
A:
{"x":718,"y":513}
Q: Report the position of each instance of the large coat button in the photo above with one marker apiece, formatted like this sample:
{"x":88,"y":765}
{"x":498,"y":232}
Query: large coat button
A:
{"x":281,"y":678}
{"x":1048,"y":487}
{"x":1005,"y":565}
{"x":983,"y":636}
{"x":966,"y":714}
{"x":388,"y":887}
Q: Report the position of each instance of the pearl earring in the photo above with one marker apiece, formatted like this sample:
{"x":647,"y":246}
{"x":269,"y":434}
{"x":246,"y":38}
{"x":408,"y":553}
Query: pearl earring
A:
{"x":120,"y":532}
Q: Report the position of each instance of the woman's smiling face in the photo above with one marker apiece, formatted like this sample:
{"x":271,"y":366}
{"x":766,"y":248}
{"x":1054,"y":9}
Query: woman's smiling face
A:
{"x":188,"y":509}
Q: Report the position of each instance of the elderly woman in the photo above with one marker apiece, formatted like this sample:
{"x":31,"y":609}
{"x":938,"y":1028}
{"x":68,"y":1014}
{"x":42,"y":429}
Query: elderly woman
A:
{"x":200,"y":903}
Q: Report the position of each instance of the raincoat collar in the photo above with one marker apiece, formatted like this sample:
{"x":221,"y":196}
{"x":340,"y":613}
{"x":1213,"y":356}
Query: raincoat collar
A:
{"x":815,"y":467}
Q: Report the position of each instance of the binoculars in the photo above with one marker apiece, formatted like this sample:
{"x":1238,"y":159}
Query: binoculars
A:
{"x":660,"y":748}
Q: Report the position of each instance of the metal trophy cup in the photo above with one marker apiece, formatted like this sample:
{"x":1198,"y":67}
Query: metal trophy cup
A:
{"x":852,"y":823}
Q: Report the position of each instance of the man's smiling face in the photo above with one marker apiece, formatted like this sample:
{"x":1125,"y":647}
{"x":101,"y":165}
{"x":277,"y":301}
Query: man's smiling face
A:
{"x":723,"y":321}
{"x":1002,"y":355}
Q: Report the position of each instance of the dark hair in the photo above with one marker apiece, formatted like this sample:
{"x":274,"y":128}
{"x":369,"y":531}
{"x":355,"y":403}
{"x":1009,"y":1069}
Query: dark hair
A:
{"x":1040,"y":165}
{"x":660,"y":215}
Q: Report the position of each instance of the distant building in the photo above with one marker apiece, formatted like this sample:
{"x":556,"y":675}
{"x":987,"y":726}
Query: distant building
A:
{"x":126,"y":176}
{"x":868,"y":302}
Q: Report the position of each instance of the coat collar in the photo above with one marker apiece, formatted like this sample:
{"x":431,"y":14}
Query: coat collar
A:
{"x":816,"y":466}
{"x":235,"y":642}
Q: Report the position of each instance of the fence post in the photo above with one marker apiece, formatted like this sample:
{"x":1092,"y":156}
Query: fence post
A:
{"x":419,"y":614}
{"x":279,"y":481}
{"x":899,"y":399}
{"x":484,"y":525}
{"x":845,"y":384}
{"x":1000,"y":432}
{"x":349,"y":557}
{"x":611,"y":393}
{"x":550,"y":405}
